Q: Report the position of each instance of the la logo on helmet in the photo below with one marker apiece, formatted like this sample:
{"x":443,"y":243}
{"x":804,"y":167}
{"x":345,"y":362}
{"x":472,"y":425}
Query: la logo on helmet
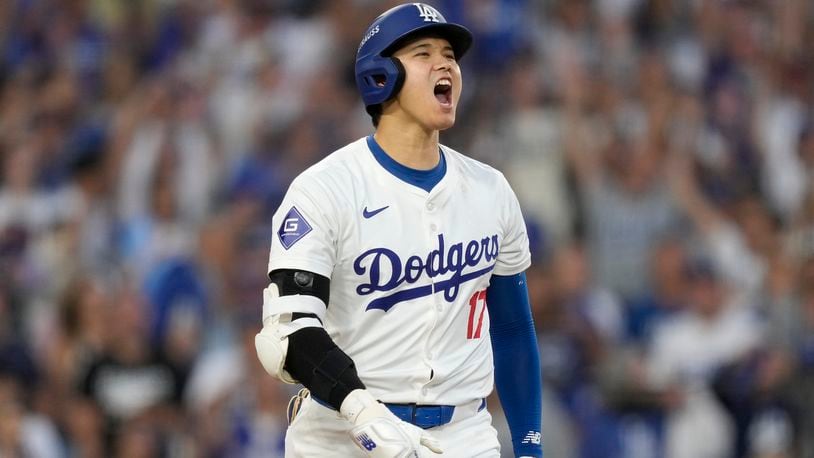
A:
{"x":427,"y":12}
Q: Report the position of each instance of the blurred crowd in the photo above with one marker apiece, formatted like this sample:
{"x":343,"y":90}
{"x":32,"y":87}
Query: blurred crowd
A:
{"x":662,"y":151}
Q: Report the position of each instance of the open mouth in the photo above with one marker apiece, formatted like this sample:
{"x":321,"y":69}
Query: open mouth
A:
{"x":443,"y":91}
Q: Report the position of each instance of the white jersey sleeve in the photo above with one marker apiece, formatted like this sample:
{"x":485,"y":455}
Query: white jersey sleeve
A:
{"x":306,"y":227}
{"x":514,"y":256}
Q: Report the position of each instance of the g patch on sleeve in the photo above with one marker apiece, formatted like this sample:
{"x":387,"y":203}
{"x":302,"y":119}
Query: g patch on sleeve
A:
{"x":293,"y":228}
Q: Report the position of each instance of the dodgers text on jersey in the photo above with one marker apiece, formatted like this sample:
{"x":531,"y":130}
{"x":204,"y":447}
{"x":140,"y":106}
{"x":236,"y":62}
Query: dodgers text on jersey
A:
{"x":386,"y":271}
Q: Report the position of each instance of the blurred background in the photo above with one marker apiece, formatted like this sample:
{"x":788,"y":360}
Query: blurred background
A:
{"x":662,"y":150}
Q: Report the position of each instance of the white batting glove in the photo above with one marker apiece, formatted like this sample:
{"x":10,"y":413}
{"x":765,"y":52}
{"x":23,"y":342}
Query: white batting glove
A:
{"x":380,"y":434}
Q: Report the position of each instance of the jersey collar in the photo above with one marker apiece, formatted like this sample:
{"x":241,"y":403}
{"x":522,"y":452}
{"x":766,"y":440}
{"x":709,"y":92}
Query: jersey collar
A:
{"x":424,"y":179}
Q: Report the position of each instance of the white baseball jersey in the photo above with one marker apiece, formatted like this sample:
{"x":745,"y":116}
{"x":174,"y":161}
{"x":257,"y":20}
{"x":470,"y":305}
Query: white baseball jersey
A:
{"x":408,"y":268}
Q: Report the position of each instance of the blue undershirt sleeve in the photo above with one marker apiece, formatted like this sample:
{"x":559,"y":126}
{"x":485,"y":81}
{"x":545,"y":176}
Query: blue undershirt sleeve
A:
{"x":517,"y":361}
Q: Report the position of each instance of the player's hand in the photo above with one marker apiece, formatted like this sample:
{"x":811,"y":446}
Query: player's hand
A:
{"x":380,"y":434}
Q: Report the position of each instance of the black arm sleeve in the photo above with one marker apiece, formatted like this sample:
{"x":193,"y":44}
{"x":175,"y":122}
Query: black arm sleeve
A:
{"x":328,"y":372}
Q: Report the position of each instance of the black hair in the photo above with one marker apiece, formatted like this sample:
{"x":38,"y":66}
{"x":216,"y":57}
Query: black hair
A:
{"x":375,"y":112}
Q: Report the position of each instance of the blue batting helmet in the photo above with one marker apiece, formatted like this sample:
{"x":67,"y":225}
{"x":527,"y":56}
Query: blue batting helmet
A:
{"x":380,"y":76}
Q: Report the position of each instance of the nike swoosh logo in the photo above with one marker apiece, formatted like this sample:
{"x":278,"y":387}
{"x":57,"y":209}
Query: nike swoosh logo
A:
{"x":371,"y":214}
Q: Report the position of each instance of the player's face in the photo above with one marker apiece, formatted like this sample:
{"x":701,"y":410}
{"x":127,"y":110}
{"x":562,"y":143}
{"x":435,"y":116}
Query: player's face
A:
{"x":432,"y":86}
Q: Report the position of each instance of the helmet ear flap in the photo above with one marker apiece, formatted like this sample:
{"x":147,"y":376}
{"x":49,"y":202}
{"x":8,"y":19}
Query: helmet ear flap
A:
{"x":379,"y":79}
{"x":401,"y":75}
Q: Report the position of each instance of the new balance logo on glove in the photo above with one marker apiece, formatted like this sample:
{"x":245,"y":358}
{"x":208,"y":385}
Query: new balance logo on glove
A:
{"x":366,"y":442}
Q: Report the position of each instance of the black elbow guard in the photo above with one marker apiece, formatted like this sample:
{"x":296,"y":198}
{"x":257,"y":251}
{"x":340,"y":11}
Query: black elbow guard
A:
{"x":321,"y":366}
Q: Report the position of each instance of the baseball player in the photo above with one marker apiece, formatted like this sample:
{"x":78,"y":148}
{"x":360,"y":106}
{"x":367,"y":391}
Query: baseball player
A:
{"x":397,"y":293}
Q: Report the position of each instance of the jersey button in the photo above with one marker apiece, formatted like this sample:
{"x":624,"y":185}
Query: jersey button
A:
{"x":433,"y":227}
{"x":430,"y":206}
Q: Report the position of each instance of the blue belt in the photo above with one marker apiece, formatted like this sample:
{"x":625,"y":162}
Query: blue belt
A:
{"x":425,"y":416}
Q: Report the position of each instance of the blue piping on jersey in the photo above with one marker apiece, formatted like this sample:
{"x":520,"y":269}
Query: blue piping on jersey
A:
{"x":424,"y":179}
